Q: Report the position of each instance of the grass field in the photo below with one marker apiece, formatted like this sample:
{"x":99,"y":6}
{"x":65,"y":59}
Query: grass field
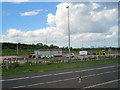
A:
{"x":43,"y":67}
{"x":25,"y":52}
{"x":13,"y":52}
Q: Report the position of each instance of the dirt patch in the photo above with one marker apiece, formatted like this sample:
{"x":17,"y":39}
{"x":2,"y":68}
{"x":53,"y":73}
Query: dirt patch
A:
{"x":41,"y":71}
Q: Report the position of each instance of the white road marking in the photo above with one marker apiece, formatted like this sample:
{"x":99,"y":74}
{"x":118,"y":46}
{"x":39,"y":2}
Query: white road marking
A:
{"x":58,"y":73}
{"x":100,"y":84}
{"x":19,"y":86}
{"x":98,"y":74}
{"x":15,"y":79}
{"x":54,"y":81}
{"x":66,"y":80}
{"x":40,"y":76}
{"x":34,"y":84}
{"x":69,"y":79}
{"x":63,"y":73}
{"x":96,"y":68}
{"x":106,"y":67}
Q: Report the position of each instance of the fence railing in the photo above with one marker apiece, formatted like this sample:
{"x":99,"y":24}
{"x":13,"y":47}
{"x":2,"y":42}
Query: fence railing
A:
{"x":62,"y":60}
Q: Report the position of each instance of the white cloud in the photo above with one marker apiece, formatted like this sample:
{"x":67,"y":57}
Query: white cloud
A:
{"x":95,"y":6}
{"x":105,"y":7}
{"x":84,"y":19}
{"x":31,"y":13}
{"x":46,"y":10}
{"x":86,"y":24}
{"x":113,"y":34}
{"x":51,"y":33}
{"x":50,"y":19}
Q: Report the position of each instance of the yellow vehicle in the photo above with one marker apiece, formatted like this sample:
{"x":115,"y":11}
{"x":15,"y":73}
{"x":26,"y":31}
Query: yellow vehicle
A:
{"x":72,"y":55}
{"x":101,"y":52}
{"x":50,"y":63}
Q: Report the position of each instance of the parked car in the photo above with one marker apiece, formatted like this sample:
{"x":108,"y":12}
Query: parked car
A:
{"x":71,"y":55}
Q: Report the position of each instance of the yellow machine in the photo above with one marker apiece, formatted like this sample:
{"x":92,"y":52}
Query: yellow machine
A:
{"x":101,"y":52}
{"x":72,"y":54}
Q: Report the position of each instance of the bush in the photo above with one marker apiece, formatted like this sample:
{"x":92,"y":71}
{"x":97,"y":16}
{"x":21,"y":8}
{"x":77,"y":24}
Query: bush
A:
{"x":13,"y":65}
{"x":49,"y":63}
{"x":28,"y":63}
{"x":3,"y":65}
{"x":39,"y":62}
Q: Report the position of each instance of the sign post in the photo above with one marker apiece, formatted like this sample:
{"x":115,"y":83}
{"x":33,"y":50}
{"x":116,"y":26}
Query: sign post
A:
{"x":7,"y":64}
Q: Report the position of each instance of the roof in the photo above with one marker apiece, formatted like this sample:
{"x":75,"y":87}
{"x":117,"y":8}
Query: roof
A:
{"x":49,"y":50}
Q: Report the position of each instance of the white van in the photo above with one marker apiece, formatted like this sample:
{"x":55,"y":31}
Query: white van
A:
{"x":83,"y":53}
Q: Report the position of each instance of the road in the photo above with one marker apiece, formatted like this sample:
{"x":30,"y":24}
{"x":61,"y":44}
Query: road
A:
{"x":104,"y":76}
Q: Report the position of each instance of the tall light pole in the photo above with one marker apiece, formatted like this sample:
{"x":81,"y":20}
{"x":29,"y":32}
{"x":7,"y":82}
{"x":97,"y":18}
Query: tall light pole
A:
{"x":17,"y":49}
{"x":104,"y":45}
{"x":17,"y":44}
{"x":68,"y":32}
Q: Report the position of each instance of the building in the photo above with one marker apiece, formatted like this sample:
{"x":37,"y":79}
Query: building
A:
{"x":55,"y":52}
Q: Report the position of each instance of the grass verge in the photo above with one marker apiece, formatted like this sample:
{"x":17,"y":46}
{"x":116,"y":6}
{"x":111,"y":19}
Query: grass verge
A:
{"x":43,"y":67}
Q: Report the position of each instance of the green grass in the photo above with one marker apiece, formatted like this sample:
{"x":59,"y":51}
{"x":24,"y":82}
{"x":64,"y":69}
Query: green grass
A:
{"x":43,"y":67}
{"x":24,"y":52}
{"x":12,"y":52}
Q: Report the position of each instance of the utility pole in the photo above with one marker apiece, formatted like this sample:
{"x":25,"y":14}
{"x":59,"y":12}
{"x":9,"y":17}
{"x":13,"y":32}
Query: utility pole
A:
{"x":17,"y":49}
{"x":17,"y":44}
{"x":82,"y":45}
{"x":68,"y":32}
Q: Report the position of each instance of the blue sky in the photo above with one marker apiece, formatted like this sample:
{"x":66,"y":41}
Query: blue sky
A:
{"x":12,"y":18}
{"x":91,"y":24}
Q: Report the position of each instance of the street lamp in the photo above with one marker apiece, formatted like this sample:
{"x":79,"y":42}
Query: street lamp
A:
{"x":68,"y":32}
{"x":17,"y":44}
{"x":17,"y":49}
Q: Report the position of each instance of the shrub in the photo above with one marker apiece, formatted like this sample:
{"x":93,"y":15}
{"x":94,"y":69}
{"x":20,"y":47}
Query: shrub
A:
{"x":50,"y":63}
{"x":13,"y":65}
{"x":3,"y":65}
{"x":28,"y":63}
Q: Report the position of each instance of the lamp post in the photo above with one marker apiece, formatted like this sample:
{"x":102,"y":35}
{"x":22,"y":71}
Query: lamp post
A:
{"x":68,"y":32}
{"x":17,"y":44}
{"x":17,"y":49}
{"x":104,"y":45}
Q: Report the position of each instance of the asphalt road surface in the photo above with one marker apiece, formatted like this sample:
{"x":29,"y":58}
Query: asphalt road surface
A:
{"x":104,"y":76}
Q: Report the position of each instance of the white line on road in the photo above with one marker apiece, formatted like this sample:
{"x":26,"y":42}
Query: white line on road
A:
{"x":63,"y":73}
{"x":19,"y":86}
{"x":69,"y":79}
{"x":40,"y":76}
{"x":65,"y":79}
{"x":98,"y":74}
{"x":59,"y":73}
{"x":100,"y":84}
{"x":34,"y":84}
{"x":15,"y":79}
{"x":96,"y":68}
{"x":54,"y":81}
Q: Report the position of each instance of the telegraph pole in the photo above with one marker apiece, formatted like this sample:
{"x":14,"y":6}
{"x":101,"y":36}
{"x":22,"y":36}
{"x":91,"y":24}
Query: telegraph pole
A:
{"x":68,"y":32}
{"x":17,"y":44}
{"x":17,"y":49}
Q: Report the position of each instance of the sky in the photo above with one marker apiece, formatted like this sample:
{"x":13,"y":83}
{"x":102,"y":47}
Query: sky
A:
{"x":92,"y":24}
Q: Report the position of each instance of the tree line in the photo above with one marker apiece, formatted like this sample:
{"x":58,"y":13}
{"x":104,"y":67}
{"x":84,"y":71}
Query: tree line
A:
{"x":8,"y":45}
{"x":28,"y":46}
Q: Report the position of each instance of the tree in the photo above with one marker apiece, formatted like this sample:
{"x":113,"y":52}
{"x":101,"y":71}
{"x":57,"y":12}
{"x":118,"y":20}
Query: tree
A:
{"x":52,"y":46}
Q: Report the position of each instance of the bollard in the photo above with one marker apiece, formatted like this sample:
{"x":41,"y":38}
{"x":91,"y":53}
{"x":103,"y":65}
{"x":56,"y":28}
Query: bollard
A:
{"x":13,"y":61}
{"x":79,"y":79}
{"x":35,"y":61}
{"x":45,"y":61}
{"x":7,"y":64}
